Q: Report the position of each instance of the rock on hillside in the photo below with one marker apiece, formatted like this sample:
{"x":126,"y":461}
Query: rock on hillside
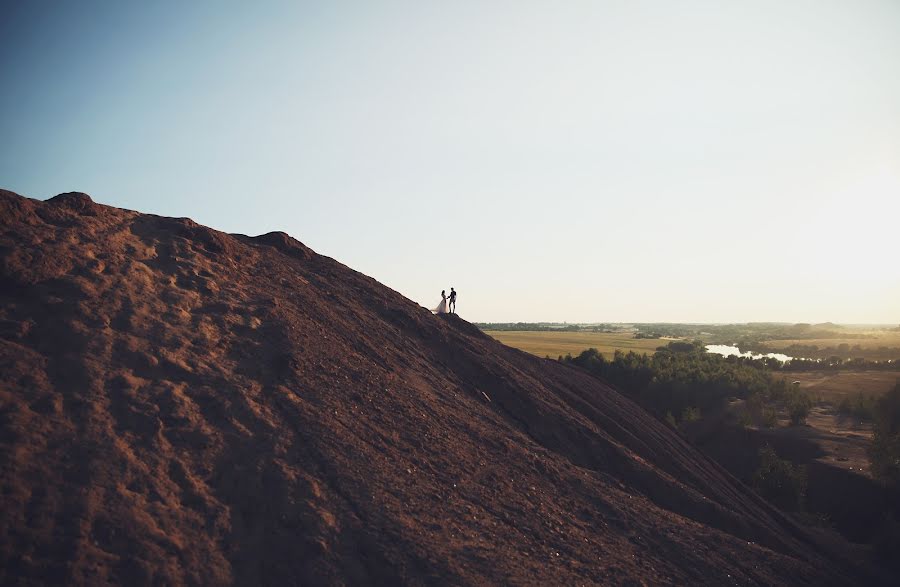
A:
{"x":183,"y":406}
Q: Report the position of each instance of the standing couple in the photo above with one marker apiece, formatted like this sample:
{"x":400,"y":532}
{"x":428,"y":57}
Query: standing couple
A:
{"x":442,"y":307}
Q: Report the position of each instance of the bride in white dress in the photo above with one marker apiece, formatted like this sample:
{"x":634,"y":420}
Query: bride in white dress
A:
{"x":442,"y":307}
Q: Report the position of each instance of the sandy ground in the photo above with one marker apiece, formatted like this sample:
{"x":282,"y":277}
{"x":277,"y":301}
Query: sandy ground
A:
{"x":843,"y":440}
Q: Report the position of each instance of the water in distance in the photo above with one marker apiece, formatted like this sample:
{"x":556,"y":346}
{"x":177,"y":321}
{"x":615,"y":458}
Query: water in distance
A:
{"x":728,"y":350}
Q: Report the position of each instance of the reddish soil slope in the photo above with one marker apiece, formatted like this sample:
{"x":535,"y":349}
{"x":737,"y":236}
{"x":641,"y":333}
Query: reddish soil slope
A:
{"x":184,"y":406}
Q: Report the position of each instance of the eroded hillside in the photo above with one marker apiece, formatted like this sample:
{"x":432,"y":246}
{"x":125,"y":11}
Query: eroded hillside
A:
{"x":184,"y":406}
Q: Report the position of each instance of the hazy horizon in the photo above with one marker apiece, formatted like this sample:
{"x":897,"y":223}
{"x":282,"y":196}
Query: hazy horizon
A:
{"x":587,"y":162}
{"x":626,"y":322}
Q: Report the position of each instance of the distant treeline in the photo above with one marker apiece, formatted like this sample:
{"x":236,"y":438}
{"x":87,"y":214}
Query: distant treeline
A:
{"x":832,"y":363}
{"x":752,"y":333}
{"x":842,"y":351}
{"x":543,"y":327}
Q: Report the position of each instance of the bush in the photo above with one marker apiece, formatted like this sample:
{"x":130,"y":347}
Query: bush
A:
{"x":884,"y":452}
{"x":680,"y":346}
{"x":754,"y":405}
{"x":861,"y":407}
{"x":760,"y":412}
{"x":769,"y":417}
{"x":780,"y":481}
{"x":865,"y":407}
{"x":845,"y":406}
{"x":690,"y":414}
{"x":676,"y":380}
{"x":798,"y":405}
{"x":670,"y":420}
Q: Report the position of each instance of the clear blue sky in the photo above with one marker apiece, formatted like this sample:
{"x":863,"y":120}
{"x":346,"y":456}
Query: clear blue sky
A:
{"x":577,"y":161}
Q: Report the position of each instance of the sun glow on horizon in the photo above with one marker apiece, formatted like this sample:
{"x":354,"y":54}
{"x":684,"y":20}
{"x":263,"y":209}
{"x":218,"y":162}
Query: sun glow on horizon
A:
{"x":591,"y":161}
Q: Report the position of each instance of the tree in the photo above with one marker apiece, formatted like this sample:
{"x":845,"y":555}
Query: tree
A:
{"x":799,"y":403}
{"x":885,"y":449}
{"x":780,"y":481}
{"x":680,"y":346}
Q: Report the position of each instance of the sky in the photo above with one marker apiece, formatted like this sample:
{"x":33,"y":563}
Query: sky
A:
{"x":580,"y":161}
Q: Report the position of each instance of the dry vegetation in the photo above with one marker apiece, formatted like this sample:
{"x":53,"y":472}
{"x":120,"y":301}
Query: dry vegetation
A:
{"x":832,"y":387}
{"x":554,"y":344}
{"x":874,"y":340}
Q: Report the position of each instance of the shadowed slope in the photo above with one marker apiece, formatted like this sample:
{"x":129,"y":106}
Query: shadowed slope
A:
{"x":181,"y":405}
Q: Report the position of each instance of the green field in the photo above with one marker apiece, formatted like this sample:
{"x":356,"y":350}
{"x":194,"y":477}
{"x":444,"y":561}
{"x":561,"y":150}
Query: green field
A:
{"x":554,"y":344}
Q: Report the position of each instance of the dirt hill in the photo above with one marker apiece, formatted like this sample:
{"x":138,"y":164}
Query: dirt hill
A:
{"x":183,"y":406}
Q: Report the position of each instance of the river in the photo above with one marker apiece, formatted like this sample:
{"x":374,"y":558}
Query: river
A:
{"x":728,"y":350}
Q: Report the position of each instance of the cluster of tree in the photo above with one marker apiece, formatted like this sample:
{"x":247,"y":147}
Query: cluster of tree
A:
{"x":758,"y":332}
{"x":780,"y":481}
{"x":661,"y":329}
{"x":835,"y":364}
{"x":885,"y":450}
{"x":861,"y":407}
{"x":681,"y":378}
{"x":830,"y":354}
{"x":784,"y":483}
{"x":762,"y":406}
{"x":682,"y":381}
{"x":884,"y":458}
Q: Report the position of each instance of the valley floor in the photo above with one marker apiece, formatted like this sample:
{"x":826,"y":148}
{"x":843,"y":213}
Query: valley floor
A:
{"x":832,"y":386}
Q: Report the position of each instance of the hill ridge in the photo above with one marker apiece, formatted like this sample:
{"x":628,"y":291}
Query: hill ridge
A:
{"x":187,"y":406}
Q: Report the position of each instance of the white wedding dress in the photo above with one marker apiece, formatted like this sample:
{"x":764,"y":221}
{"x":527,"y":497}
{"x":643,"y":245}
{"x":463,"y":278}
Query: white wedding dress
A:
{"x":442,"y":307}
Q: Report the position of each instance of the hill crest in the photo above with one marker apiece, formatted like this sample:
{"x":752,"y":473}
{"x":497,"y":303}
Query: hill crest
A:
{"x":183,"y":405}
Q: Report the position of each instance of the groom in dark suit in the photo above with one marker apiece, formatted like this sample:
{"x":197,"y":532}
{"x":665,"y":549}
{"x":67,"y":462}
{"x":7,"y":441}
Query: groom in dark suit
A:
{"x":452,"y":301}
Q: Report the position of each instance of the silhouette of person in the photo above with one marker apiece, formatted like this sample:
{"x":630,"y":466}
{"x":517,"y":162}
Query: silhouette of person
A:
{"x":452,"y":301}
{"x":442,"y":307}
